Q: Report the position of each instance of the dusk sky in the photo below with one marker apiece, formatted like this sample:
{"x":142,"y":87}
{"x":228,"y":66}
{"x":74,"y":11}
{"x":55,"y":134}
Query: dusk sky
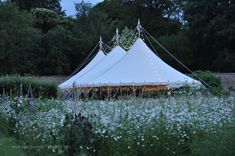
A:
{"x":68,"y":5}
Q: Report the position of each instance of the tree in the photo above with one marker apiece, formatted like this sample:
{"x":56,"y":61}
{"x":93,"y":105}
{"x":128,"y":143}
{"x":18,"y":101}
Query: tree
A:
{"x":127,"y":38}
{"x":53,"y":5}
{"x":153,"y":14}
{"x":18,"y":41}
{"x":179,"y":45}
{"x":212,"y":33}
{"x":47,"y":19}
{"x":25,"y":49}
{"x":92,"y":25}
{"x":83,"y":8}
{"x":55,"y":52}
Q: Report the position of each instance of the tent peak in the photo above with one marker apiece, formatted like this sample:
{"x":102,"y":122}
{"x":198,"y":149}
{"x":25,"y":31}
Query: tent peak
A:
{"x":101,"y":52}
{"x":101,"y":43}
{"x":117,"y":37}
{"x":118,"y":48}
{"x":139,"y":41}
{"x":139,"y":27}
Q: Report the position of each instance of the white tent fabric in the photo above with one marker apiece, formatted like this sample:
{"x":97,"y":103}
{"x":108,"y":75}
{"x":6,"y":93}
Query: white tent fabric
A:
{"x":70,"y":82}
{"x":105,"y":64}
{"x":140,"y":66}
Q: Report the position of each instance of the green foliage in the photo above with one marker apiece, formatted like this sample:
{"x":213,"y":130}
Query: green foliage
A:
{"x":212,"y":31}
{"x":39,"y":42}
{"x":217,"y":144}
{"x":45,"y":19}
{"x":19,"y":41}
{"x":152,"y":14}
{"x":53,"y":5}
{"x":89,"y":28}
{"x":211,"y":79}
{"x":179,"y":45}
{"x":83,"y":9}
{"x":127,"y":38}
{"x":44,"y":89}
{"x":35,"y":37}
{"x":77,"y":135}
{"x":55,"y":45}
{"x":6,"y":146}
{"x":144,"y":141}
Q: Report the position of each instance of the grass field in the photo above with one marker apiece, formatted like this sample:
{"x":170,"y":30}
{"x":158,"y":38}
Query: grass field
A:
{"x":8,"y":147}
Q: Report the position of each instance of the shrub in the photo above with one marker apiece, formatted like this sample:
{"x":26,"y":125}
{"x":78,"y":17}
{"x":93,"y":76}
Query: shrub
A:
{"x":77,"y":135}
{"x":211,"y":79}
{"x":44,"y":89}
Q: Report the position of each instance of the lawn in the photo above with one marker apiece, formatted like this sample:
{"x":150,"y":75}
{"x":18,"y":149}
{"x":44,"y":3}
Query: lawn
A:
{"x":8,"y":147}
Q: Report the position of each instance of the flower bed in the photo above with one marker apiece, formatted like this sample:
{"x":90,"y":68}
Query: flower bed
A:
{"x":166,"y":126}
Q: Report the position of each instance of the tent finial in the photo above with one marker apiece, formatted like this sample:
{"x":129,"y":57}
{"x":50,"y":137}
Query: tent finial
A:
{"x":139,"y":27}
{"x":117,"y":36}
{"x":101,"y":43}
{"x":117,"y":32}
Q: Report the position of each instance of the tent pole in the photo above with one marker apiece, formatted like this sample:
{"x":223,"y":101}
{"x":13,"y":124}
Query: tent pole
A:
{"x":109,"y":97}
{"x":87,"y":92}
{"x":100,"y":93}
{"x":142,"y":91}
{"x":108,"y":93}
{"x":76,"y":94}
{"x":80,"y":94}
{"x":121,"y":92}
{"x":133,"y":90}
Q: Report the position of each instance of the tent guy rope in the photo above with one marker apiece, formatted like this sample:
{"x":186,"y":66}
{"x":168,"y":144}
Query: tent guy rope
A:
{"x":85,"y":61}
{"x":174,"y":57}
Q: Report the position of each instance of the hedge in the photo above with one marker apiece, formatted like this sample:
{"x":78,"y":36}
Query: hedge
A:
{"x":211,"y":79}
{"x":41,"y":88}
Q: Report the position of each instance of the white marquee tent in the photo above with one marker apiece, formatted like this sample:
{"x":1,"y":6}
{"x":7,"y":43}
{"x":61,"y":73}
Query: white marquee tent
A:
{"x":105,"y":64}
{"x":140,"y":66}
{"x":95,"y":68}
{"x":70,"y":82}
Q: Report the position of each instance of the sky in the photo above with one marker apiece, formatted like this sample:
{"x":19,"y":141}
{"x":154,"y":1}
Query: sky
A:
{"x":68,"y":5}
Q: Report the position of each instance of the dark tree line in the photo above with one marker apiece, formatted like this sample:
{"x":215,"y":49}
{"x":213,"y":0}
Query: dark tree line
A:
{"x":211,"y":27}
{"x":37,"y":38}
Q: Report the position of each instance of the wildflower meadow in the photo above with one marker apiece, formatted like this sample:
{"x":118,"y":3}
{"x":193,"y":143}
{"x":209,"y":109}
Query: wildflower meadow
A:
{"x":177,"y":125}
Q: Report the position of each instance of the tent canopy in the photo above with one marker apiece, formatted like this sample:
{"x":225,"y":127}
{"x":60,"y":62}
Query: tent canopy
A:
{"x":100,"y":68}
{"x":70,"y":82}
{"x":140,"y":66}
